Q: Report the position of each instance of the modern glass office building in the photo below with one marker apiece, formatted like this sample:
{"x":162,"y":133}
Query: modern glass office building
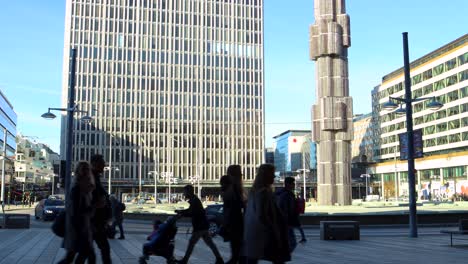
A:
{"x":442,"y":171}
{"x":8,"y":121}
{"x":294,"y":150}
{"x":174,"y":86}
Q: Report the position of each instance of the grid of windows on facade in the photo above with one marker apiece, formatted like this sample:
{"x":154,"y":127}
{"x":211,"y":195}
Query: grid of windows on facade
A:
{"x":177,"y":83}
{"x":442,"y":127}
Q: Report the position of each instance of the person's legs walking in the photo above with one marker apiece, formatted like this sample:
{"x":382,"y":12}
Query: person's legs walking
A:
{"x":102,"y":243}
{"x":193,"y":240}
{"x":236,"y":245}
{"x":303,"y":237}
{"x":206,"y":237}
{"x":121,"y":230}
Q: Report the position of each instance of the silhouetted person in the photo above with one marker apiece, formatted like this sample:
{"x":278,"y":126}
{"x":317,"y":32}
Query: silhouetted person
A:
{"x":233,"y":207}
{"x":117,"y":215}
{"x":265,"y":232}
{"x":103,"y":210}
{"x":199,"y":223}
{"x":78,"y":237}
{"x":286,"y":201}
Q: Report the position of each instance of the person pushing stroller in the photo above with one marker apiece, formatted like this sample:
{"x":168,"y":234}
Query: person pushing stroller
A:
{"x":199,"y":223}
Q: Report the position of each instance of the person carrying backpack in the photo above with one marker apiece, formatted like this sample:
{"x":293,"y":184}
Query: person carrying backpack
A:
{"x":117,"y":215}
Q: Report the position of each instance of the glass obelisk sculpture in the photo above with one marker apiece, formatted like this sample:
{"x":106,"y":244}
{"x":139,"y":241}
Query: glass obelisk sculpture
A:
{"x":332,"y":127}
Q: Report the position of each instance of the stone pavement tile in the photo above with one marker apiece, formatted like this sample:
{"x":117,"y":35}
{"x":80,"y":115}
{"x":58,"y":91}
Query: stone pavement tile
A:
{"x":49,"y":253}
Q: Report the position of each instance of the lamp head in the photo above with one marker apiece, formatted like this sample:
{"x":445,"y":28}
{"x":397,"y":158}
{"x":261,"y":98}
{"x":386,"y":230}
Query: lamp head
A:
{"x":400,"y":111}
{"x":389,"y":106}
{"x":434,"y":105}
{"x":48,"y":115}
{"x":86,"y":119}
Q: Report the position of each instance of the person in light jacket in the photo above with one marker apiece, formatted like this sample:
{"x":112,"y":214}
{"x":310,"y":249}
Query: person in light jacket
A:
{"x":265,"y":231}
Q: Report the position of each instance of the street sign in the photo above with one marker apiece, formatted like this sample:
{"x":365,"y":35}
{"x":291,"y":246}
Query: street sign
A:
{"x":417,"y":145}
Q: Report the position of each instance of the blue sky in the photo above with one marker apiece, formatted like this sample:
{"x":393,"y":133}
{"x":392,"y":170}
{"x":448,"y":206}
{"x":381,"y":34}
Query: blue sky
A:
{"x":32,"y":47}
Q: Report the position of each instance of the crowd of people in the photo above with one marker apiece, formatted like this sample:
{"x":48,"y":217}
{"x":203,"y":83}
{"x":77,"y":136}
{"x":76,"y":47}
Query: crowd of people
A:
{"x":259,"y":225}
{"x":90,"y":215}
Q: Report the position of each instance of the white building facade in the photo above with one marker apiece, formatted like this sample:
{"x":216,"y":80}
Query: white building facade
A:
{"x":175,"y":87}
{"x":442,"y":171}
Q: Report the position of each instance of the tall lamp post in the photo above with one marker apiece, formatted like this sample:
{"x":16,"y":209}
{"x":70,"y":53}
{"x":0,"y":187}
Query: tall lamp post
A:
{"x":408,"y":111}
{"x":155,"y":173}
{"x":71,"y":110}
{"x":367,"y":176}
{"x":110,"y":169}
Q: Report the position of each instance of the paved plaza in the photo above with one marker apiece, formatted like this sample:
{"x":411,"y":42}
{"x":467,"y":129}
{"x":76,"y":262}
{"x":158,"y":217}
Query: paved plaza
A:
{"x":377,"y":245}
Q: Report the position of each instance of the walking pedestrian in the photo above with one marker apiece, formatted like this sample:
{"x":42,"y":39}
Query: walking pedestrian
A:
{"x":117,"y":215}
{"x":286,"y":201}
{"x":103,"y":211}
{"x":233,"y":211}
{"x":78,"y":237}
{"x":300,"y":208}
{"x":199,"y":224}
{"x":265,"y":232}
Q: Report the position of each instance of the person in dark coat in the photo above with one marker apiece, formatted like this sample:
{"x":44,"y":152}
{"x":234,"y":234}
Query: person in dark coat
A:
{"x":233,"y":211}
{"x":199,"y":224}
{"x":103,"y":211}
{"x":286,"y":201}
{"x":78,"y":237}
{"x":117,"y":215}
{"x":265,"y":232}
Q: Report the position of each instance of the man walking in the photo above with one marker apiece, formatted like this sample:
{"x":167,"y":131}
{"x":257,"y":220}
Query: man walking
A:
{"x":117,"y":214}
{"x":286,"y":201}
{"x":103,"y":211}
{"x":199,"y":224}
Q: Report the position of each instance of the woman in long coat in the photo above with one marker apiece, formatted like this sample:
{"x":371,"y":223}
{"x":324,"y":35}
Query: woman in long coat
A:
{"x":78,"y":231}
{"x":265,"y":232}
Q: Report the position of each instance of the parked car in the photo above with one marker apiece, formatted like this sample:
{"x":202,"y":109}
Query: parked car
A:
{"x":48,"y":209}
{"x":214,"y":214}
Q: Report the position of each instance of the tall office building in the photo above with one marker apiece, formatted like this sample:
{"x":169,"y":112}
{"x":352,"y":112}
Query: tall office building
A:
{"x":442,"y":74}
{"x":175,"y":87}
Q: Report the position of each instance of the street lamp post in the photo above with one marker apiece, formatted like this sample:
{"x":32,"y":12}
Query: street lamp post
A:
{"x":390,"y":105}
{"x":109,"y":168}
{"x":155,"y":185}
{"x":366,"y":176}
{"x":71,"y":110}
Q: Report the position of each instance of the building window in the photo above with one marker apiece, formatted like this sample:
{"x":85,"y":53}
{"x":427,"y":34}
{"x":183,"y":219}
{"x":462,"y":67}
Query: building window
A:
{"x":451,"y":64}
{"x":442,"y":140}
{"x":441,"y":114}
{"x":463,"y":76}
{"x":439,"y":85}
{"x":429,"y":130}
{"x":442,"y":127}
{"x":454,"y":172}
{"x":451,"y":80}
{"x":429,"y":117}
{"x":439,"y":69}
{"x":462,"y":59}
{"x":428,"y":89}
{"x":454,"y":138}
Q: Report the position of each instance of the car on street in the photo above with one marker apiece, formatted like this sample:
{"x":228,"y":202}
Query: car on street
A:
{"x":214,"y":214}
{"x":48,"y":209}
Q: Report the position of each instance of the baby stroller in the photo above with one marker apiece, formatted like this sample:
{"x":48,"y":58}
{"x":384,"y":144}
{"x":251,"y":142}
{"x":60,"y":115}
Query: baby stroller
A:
{"x":162,"y":243}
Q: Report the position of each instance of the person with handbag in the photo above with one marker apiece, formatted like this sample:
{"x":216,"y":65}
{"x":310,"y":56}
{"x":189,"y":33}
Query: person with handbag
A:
{"x":78,"y":236}
{"x":265,"y":231}
{"x":102,"y":219}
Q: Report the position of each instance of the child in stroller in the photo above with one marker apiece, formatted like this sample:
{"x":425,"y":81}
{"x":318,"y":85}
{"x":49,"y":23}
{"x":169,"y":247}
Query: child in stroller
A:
{"x":161,"y":240}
